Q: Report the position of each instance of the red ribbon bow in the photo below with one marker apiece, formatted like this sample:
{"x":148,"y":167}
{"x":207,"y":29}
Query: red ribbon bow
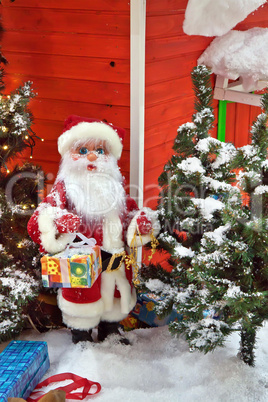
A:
{"x":78,"y":382}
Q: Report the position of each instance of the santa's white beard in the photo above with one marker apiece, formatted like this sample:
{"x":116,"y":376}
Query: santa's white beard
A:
{"x":93,"y":194}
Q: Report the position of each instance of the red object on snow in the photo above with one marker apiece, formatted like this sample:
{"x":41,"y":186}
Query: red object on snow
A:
{"x":88,"y":387}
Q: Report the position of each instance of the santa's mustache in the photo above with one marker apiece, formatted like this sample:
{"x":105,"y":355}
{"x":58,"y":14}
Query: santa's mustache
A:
{"x":104,"y":164}
{"x":93,"y":191}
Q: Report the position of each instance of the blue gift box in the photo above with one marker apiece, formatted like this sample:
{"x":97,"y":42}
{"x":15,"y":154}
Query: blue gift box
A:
{"x":22,"y":365}
{"x":145,"y":311}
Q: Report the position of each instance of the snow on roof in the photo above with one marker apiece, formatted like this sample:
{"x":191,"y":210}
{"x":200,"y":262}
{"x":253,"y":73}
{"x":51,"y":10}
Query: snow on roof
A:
{"x":239,"y":54}
{"x":216,"y":17}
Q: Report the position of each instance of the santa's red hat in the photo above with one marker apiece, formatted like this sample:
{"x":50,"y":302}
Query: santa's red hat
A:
{"x":78,"y":128}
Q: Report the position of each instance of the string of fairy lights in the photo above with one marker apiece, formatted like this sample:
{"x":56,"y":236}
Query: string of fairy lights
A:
{"x":16,"y":134}
{"x":16,"y":114}
{"x":7,"y":147}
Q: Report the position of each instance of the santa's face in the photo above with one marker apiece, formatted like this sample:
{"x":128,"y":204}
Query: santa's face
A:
{"x":92,"y":179}
{"x":91,"y":150}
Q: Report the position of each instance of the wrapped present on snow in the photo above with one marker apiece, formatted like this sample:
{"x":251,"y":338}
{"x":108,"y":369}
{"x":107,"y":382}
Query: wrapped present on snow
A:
{"x":76,"y":267}
{"x":22,"y":365}
{"x":129,"y":323}
{"x":145,"y":311}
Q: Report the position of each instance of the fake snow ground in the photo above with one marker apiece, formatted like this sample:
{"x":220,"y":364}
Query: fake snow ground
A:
{"x":159,"y":368}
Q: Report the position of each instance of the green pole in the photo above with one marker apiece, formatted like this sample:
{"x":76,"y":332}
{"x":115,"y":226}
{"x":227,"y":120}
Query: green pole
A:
{"x":222,"y":120}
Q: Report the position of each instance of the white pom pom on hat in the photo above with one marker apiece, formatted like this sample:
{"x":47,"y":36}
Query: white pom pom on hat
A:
{"x":78,"y":128}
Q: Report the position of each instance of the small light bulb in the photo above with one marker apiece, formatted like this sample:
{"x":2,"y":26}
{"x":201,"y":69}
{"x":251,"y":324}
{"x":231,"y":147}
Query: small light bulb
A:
{"x":26,"y":137}
{"x":31,"y":157}
{"x":4,"y":129}
{"x":24,"y":207}
{"x":8,"y":171}
{"x":5,"y":147}
{"x":42,"y":139}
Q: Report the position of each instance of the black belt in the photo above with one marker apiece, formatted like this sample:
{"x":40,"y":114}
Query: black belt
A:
{"x":112,"y":262}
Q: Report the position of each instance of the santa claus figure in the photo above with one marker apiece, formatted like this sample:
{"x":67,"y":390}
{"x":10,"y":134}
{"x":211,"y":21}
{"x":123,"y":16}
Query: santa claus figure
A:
{"x":88,"y":197}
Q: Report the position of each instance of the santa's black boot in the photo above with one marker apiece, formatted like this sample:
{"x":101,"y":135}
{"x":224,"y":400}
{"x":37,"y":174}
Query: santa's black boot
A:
{"x":81,"y":335}
{"x":107,"y":328}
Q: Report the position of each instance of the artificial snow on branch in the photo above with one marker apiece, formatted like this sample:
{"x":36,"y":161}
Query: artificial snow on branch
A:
{"x":239,"y":54}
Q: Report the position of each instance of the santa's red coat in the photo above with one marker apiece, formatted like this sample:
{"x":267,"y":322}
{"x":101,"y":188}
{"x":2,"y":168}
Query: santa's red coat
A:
{"x":57,"y":199}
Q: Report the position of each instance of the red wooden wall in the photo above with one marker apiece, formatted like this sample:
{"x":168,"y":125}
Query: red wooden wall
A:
{"x":170,"y":57}
{"x":77,"y":53}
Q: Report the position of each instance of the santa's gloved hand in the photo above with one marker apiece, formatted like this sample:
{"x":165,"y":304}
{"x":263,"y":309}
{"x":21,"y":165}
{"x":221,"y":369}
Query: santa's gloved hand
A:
{"x":68,"y":223}
{"x":144,"y":224}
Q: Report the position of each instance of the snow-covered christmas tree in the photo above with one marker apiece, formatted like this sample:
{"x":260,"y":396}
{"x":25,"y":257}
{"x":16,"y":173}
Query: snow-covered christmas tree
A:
{"x":216,"y":236}
{"x":19,"y":281}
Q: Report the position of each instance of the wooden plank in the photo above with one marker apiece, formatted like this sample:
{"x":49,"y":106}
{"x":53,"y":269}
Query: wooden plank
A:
{"x":164,"y":131}
{"x":151,"y":188}
{"x":166,"y":111}
{"x":158,"y":155}
{"x":230,"y":123}
{"x":236,"y":96}
{"x":160,"y":6}
{"x":47,"y":129}
{"x":214,"y":130}
{"x":71,"y":21}
{"x":75,"y":90}
{"x":164,"y":25}
{"x":159,"y":48}
{"x":41,"y":65}
{"x":165,"y":90}
{"x":54,"y":109}
{"x":254,"y":111}
{"x":242,"y":125}
{"x":104,"y":5}
{"x":151,"y":194}
{"x":67,"y":44}
{"x":168,"y":68}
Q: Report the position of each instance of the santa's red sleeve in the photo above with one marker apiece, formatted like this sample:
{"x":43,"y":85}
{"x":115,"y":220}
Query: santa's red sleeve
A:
{"x":132,"y":223}
{"x":42,"y":226}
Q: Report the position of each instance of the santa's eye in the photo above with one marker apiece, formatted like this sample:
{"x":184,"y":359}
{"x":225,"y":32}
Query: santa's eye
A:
{"x":100,"y":151}
{"x":83,"y":151}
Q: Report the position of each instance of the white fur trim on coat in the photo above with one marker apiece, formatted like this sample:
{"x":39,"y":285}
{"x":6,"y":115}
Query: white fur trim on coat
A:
{"x":112,"y":233}
{"x":110,"y":280}
{"x":116,"y":313}
{"x":132,"y":229}
{"x":85,"y":130}
{"x":83,"y":316}
{"x":48,"y":231}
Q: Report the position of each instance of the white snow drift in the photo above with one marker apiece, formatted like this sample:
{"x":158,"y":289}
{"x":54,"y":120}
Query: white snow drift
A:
{"x":216,"y":17}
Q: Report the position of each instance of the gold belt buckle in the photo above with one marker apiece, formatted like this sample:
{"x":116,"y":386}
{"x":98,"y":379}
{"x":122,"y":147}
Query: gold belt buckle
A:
{"x":114,"y":256}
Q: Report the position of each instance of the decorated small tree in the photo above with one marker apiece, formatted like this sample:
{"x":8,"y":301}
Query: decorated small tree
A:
{"x":19,"y":185}
{"x":233,"y":264}
{"x":202,"y":212}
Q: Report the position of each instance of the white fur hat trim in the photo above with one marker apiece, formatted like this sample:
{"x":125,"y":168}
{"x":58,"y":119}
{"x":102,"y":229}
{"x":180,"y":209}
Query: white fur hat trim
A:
{"x":86,"y":131}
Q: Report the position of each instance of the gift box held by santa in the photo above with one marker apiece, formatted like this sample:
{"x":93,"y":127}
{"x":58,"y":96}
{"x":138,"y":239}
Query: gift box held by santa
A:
{"x":88,"y":197}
